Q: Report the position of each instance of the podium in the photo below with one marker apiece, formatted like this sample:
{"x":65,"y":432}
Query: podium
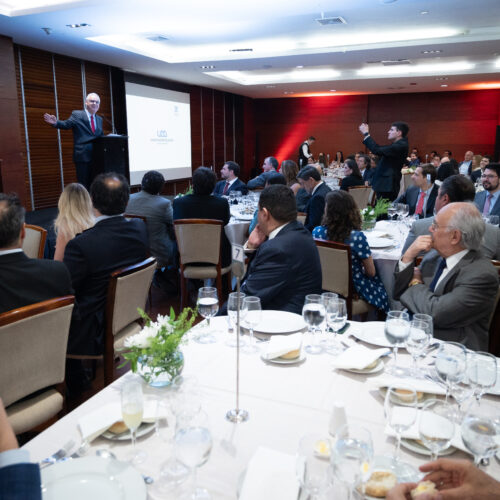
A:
{"x":110,"y":154}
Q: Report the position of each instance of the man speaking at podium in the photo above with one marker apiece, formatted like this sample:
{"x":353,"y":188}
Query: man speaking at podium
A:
{"x":86,"y":126}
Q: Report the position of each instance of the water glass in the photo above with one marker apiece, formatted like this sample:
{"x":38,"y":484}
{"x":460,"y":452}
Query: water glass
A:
{"x":208,"y":306}
{"x":417,"y":342}
{"x":481,"y":433}
{"x":233,"y":302}
{"x":253,"y":317}
{"x":391,"y":211}
{"x":313,"y":313}
{"x":336,"y":318}
{"x":451,"y":363}
{"x":436,"y":426}
{"x":425,"y":317}
{"x":396,"y":329}
{"x":132,"y":408}
{"x":482,"y":372}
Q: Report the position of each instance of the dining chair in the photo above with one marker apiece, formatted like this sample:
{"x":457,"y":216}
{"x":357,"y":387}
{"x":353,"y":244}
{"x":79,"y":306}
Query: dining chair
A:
{"x":199,"y":244}
{"x":361,"y":195}
{"x":336,"y":271}
{"x":301,"y":217}
{"x":34,"y":241}
{"x":33,"y":342}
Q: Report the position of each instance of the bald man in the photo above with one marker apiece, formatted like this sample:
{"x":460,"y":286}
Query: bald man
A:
{"x":86,"y":126}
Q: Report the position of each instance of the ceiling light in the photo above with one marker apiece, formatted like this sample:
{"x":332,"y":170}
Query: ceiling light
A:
{"x":424,"y":12}
{"x":497,"y":64}
{"x":444,"y":85}
{"x":431,"y":51}
{"x":333,"y":90}
{"x":299,"y":67}
{"x":441,"y":78}
{"x":208,"y":67}
{"x":80,"y":25}
{"x":417,"y":68}
{"x":270,"y":86}
{"x":328,"y":21}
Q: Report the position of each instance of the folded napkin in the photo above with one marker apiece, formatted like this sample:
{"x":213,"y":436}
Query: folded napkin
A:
{"x":100,"y":420}
{"x":270,"y":475}
{"x":420,"y":385}
{"x":282,"y":344}
{"x":358,"y":357}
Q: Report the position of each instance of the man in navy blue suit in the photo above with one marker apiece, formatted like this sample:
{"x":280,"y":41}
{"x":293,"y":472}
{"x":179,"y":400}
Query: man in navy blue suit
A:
{"x":310,"y":179}
{"x":488,"y":201}
{"x":229,"y":173}
{"x":86,"y":126}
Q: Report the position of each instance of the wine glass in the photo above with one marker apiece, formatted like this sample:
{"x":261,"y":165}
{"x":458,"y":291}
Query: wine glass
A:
{"x":482,"y":372}
{"x":313,"y":313}
{"x":336,"y":318}
{"x":208,"y":306}
{"x":436,"y":426}
{"x":417,"y":342}
{"x":428,"y":318}
{"x":400,"y":410}
{"x":252,"y":318}
{"x":396,"y":329}
{"x":132,"y":408}
{"x":451,"y":363}
{"x":235,"y":300}
{"x":462,"y":390}
{"x":193,"y":441}
{"x":313,"y":462}
{"x":391,"y":210}
{"x":403,"y":209}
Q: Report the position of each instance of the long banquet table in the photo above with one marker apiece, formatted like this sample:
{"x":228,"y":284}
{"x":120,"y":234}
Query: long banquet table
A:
{"x":284,"y":402}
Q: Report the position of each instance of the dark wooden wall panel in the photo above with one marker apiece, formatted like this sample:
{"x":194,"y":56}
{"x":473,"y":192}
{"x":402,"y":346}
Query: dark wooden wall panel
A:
{"x":196,"y":129}
{"x":97,"y":81}
{"x":208,"y":124}
{"x":228,"y":112}
{"x":219,"y":135}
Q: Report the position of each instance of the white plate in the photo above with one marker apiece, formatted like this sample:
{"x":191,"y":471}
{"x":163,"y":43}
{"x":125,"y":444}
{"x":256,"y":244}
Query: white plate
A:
{"x":92,"y":477}
{"x":142,"y":430}
{"x":366,"y":371}
{"x":416,"y":447}
{"x":372,"y":332}
{"x":279,"y":322}
{"x":380,"y":242}
{"x":376,"y":233}
{"x":281,"y":361}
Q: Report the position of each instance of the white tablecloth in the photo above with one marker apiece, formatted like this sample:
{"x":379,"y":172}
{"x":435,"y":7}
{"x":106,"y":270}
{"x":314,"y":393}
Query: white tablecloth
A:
{"x":284,"y":403}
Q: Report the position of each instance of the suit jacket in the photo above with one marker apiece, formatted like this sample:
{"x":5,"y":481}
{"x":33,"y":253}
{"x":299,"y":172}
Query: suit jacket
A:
{"x":25,"y":281}
{"x":284,"y":270}
{"x":316,"y":207}
{"x":480,"y":200}
{"x":82,"y":134}
{"x":349,"y":181}
{"x":469,"y":168}
{"x":260,"y":180}
{"x":91,"y":257}
{"x":411,"y":195}
{"x":159,"y":222}
{"x":368,"y":175}
{"x":461,"y":303}
{"x":490,"y":247}
{"x":387,"y":175}
{"x":194,"y":206}
{"x":20,"y":482}
{"x":475,"y":175}
{"x":237,"y":185}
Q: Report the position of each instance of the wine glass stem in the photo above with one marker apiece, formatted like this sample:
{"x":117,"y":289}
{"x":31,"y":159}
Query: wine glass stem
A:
{"x":395,"y":350}
{"x":195,"y":469}
{"x":398,"y":446}
{"x":251,"y":339}
{"x":208,"y":324}
{"x":414,"y":366}
{"x":133,"y":435}
{"x":434,"y":456}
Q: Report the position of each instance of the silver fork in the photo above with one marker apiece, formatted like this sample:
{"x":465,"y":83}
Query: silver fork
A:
{"x":58,"y":455}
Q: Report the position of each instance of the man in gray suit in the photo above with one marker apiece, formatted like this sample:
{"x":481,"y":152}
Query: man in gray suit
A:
{"x":269,"y":168}
{"x":460,"y":294}
{"x":453,"y":189}
{"x":488,"y":201}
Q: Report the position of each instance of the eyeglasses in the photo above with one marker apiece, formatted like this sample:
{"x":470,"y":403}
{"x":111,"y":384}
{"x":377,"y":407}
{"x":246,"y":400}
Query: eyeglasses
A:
{"x":436,"y":226}
{"x":93,"y":102}
{"x":491,"y":176}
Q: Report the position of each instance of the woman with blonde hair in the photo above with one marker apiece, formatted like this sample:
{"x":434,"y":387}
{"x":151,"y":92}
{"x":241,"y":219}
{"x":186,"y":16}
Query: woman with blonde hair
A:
{"x":75,"y":216}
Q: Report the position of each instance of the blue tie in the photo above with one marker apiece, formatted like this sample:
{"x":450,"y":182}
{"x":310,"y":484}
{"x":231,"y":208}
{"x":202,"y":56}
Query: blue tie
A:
{"x":439,"y":272}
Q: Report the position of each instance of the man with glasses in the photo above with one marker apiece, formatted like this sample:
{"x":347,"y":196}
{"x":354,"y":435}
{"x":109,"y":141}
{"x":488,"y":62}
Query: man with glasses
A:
{"x":488,"y":200}
{"x":86,"y":126}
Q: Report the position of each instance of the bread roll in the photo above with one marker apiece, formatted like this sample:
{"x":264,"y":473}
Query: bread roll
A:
{"x":427,"y":487}
{"x":291,"y":355}
{"x":380,"y":483}
{"x":118,"y":427}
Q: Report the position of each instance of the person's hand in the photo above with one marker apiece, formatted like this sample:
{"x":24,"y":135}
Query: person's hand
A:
{"x":401,"y":491}
{"x":364,"y":128}
{"x":256,"y":238}
{"x":8,"y":439}
{"x":421,"y":244}
{"x":460,"y":480}
{"x":51,"y":119}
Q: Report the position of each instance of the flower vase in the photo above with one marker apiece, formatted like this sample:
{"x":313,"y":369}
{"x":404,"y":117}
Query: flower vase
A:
{"x":368,"y":225}
{"x":161,"y":376}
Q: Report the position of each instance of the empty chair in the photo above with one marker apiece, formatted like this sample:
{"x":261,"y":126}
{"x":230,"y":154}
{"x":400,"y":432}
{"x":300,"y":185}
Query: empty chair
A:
{"x":361,"y":195}
{"x":34,"y":241}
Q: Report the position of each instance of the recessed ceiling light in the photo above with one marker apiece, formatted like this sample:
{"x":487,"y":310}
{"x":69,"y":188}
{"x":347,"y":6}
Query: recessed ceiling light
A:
{"x":444,"y":85}
{"x":80,"y":25}
{"x":440,"y":78}
{"x":208,"y":67}
{"x":288,"y":92}
{"x":270,"y":86}
{"x":299,"y":67}
{"x":431,"y":51}
{"x":333,"y":90}
{"x":241,"y":50}
{"x":417,"y":68}
{"x":424,"y":12}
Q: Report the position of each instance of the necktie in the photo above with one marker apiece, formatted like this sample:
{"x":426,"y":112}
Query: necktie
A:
{"x":487,"y":203}
{"x":226,"y":188}
{"x":92,"y":124}
{"x":420,"y":204}
{"x":439,"y":272}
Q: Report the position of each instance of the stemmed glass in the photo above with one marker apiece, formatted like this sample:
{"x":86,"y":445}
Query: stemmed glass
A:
{"x":252,"y":318}
{"x":482,"y":372}
{"x":428,"y":318}
{"x":436,"y":426}
{"x":232,"y":305}
{"x":194,"y":444}
{"x":417,"y":342}
{"x":132,"y":408}
{"x":396,"y":329}
{"x":391,"y":210}
{"x":400,"y":410}
{"x":451,"y":363}
{"x":208,"y":306}
{"x":336,"y":317}
{"x":313,"y":313}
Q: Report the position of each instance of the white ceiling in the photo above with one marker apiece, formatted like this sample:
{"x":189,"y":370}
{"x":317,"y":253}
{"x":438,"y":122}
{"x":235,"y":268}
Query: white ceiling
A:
{"x":282,"y":35}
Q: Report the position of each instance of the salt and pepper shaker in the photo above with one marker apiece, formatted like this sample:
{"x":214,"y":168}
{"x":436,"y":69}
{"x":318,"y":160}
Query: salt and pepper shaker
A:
{"x":338,"y":417}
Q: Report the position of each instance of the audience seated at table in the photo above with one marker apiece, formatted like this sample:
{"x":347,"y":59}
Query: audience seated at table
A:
{"x":488,"y":201}
{"x":275,"y":179}
{"x":25,"y":281}
{"x":230,"y":180}
{"x":460,"y":294}
{"x":352,"y":177}
{"x":75,"y":216}
{"x":286,"y":266}
{"x":342,"y":223}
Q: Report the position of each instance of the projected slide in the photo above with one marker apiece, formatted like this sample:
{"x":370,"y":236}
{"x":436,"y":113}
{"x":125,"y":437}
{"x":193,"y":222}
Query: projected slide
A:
{"x":159,"y":130}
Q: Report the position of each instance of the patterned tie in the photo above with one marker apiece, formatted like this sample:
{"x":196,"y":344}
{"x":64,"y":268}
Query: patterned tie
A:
{"x":92,"y":124}
{"x":226,"y":188}
{"x":487,"y":204}
{"x":420,"y":204}
{"x":439,"y":272}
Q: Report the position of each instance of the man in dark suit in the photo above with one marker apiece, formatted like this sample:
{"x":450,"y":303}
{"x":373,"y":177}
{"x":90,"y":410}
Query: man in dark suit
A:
{"x":460,"y":294}
{"x":25,"y":281}
{"x":286,"y":265}
{"x":364,"y":165}
{"x":270,"y":168}
{"x":387,"y":175}
{"x":229,"y":173}
{"x":310,"y":179}
{"x":113,"y":243}
{"x":476,"y":174}
{"x":86,"y":126}
{"x":488,"y":201}
{"x":202,"y":205}
{"x":422,"y":196}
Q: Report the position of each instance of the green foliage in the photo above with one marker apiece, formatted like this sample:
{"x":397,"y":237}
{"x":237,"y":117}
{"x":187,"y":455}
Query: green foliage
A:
{"x":372,"y":213}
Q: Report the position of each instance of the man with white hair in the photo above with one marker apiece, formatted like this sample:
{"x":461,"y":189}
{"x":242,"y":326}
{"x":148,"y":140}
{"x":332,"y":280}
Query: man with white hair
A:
{"x":465,"y":167}
{"x":86,"y":126}
{"x":460,"y":294}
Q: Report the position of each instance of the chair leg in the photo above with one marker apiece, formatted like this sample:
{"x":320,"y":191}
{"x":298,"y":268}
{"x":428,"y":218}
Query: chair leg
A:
{"x":184,"y":294}
{"x":219,"y":288}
